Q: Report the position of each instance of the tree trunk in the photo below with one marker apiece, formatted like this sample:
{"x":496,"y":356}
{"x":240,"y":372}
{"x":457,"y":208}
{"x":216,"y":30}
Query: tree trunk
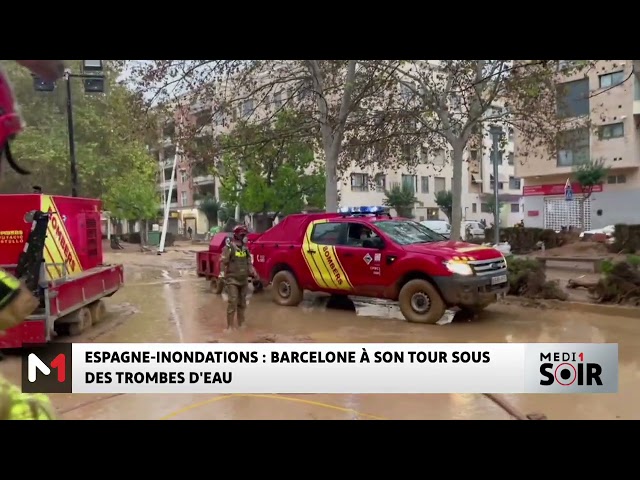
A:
{"x":456,"y":192}
{"x":331,"y":185}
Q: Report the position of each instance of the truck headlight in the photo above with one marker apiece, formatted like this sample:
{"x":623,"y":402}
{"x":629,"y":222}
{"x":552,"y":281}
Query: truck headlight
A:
{"x":458,"y":267}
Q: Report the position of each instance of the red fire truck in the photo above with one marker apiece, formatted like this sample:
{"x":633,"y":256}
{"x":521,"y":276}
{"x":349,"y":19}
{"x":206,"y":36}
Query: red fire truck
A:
{"x":54,"y":244}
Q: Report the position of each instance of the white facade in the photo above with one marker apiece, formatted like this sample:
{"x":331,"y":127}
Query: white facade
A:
{"x":437,"y":174}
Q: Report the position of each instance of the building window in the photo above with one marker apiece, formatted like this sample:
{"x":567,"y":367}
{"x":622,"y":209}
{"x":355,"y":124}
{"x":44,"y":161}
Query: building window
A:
{"x":381,"y":182}
{"x":484,"y":208}
{"x":433,"y":213}
{"x":408,"y":153}
{"x":473,"y":154}
{"x":574,"y":147}
{"x":614,"y":130}
{"x":424,"y":184}
{"x":409,"y":182}
{"x":500,"y":184}
{"x":510,"y":134}
{"x":247,"y":107}
{"x":359,"y":182}
{"x":183,"y":199}
{"x":515,"y":208}
{"x":277,"y":100}
{"x":573,"y":99}
{"x":514,"y":183}
{"x":510,"y":159}
{"x":611,"y":79}
{"x":613,"y":179}
{"x":439,"y":184}
{"x":474,"y":208}
{"x":184,"y":177}
{"x":203,"y":118}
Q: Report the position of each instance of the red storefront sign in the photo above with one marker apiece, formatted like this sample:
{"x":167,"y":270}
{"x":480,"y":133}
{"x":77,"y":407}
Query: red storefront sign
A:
{"x":554,"y":189}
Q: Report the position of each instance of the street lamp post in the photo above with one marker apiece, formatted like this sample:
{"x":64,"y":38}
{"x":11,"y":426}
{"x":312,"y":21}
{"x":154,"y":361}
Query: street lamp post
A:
{"x":93,"y":76}
{"x":496,"y":134}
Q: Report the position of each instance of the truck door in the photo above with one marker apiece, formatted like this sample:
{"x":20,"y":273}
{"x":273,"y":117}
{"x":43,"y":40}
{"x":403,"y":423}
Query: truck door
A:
{"x":319,"y":250}
{"x":361,"y":259}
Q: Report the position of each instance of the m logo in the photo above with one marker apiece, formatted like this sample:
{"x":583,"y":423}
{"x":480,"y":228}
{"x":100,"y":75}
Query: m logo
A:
{"x":47,"y":369}
{"x":35,"y":365}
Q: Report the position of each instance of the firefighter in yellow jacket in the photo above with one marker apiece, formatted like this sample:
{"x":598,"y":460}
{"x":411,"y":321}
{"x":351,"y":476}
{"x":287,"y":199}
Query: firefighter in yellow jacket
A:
{"x":236,"y":268}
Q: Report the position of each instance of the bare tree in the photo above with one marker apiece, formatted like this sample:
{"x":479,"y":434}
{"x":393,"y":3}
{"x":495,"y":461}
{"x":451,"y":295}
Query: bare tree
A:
{"x":453,"y":101}
{"x":343,"y":104}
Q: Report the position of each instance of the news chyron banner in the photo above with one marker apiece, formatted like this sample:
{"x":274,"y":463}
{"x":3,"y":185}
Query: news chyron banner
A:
{"x":322,"y":368}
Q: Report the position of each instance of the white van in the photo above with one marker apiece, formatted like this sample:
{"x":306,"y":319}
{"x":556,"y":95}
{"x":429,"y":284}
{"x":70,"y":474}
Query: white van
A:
{"x":439,"y":226}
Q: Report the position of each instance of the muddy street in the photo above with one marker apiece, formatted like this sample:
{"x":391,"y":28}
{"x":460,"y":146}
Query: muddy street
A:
{"x":164,"y":301}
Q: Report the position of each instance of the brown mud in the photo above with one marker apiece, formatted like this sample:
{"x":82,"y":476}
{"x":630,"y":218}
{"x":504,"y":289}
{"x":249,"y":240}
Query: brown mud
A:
{"x":164,"y":301}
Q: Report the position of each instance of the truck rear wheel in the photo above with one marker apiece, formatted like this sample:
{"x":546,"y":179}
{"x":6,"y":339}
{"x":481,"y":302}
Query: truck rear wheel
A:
{"x":217,"y":285}
{"x":286,"y":291}
{"x":79,"y":321}
{"x":98,"y":311}
{"x":420,"y":302}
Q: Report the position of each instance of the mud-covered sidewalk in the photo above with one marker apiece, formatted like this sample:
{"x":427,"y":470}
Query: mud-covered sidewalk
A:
{"x":164,"y":301}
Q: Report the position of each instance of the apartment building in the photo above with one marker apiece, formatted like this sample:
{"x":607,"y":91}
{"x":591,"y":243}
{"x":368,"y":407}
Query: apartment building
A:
{"x":608,"y":96}
{"x":435,"y":173}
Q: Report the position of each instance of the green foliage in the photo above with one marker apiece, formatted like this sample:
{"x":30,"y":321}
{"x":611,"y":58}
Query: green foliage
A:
{"x":589,"y":174}
{"x":132,"y":196}
{"x":211,"y":208}
{"x":491,"y":204}
{"x":266,"y":172}
{"x":402,"y":199}
{"x":110,"y":135}
{"x":444,"y":200}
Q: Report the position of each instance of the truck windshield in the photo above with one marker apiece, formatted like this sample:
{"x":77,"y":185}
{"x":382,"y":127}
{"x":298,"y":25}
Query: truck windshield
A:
{"x":407,"y":232}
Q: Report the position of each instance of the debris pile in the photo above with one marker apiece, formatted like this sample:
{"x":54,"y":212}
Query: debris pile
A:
{"x":527,"y":279}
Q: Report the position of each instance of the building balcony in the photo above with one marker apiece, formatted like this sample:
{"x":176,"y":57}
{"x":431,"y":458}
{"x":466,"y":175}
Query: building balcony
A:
{"x":172,"y":205}
{"x":203,"y":179}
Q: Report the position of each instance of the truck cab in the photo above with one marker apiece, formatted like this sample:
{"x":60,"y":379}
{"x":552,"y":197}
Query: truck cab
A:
{"x":363,"y":251}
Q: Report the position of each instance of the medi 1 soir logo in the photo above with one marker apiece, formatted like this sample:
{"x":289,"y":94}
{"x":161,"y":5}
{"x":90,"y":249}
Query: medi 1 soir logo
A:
{"x":571,"y":368}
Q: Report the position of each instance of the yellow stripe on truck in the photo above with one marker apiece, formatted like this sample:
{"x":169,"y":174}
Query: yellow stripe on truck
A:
{"x":58,"y":246}
{"x":324,"y":265}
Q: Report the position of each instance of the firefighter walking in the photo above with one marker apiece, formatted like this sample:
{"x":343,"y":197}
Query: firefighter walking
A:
{"x":236,"y":268}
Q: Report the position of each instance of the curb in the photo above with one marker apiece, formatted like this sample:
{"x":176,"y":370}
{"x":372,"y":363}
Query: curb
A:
{"x":599,"y":309}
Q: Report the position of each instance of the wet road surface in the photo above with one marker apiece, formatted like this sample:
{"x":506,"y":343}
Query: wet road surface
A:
{"x":163,"y":301}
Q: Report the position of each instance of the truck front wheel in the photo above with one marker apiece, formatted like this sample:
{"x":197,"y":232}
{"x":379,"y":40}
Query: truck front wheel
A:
{"x":420,"y":302}
{"x":286,"y":291}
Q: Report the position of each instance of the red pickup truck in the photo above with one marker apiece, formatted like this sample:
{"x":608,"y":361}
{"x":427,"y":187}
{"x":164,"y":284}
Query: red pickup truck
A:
{"x":362,"y":251}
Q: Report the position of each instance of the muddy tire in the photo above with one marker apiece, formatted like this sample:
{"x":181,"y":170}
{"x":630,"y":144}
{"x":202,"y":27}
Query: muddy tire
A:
{"x":285,"y":290}
{"x":420,"y":302}
{"x":217,"y":285}
{"x":98,"y":312}
{"x":81,"y":321}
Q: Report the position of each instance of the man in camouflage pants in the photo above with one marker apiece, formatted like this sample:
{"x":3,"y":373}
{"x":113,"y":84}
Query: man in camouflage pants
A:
{"x":236,"y":268}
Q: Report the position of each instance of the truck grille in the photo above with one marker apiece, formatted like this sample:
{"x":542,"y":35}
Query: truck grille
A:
{"x":489,"y":267}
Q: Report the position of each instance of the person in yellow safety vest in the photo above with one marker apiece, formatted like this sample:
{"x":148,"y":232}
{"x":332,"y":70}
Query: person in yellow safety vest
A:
{"x":17,"y":302}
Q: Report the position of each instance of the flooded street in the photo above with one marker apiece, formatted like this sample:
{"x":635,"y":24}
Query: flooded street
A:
{"x":164,"y":301}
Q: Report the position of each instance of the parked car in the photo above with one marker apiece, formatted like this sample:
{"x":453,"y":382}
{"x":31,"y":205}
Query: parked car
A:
{"x":609,"y":230}
{"x":439,"y":226}
{"x":475,"y":229}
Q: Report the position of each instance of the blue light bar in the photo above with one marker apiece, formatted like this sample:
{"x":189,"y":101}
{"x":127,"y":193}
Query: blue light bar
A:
{"x":364,"y":210}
